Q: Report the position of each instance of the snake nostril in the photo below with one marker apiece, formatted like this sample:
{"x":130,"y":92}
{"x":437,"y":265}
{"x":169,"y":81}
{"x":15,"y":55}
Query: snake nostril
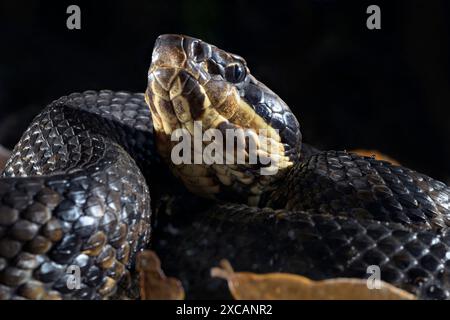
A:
{"x":213,"y":68}
{"x":200,"y":51}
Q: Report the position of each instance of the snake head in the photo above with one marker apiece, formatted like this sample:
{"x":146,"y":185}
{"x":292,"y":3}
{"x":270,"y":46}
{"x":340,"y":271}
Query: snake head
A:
{"x":234,"y":136}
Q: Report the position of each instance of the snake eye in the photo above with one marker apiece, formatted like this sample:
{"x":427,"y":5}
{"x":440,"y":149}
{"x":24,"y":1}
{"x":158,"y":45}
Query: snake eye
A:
{"x":235,"y":72}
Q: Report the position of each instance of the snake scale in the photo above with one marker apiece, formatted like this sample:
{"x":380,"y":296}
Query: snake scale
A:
{"x":88,"y":185}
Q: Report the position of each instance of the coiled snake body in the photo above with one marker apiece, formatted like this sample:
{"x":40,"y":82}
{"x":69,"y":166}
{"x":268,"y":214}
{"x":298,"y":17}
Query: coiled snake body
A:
{"x":76,"y":192}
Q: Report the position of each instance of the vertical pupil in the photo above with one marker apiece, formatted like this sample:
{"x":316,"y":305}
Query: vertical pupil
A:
{"x":237,"y":72}
{"x":234,"y":73}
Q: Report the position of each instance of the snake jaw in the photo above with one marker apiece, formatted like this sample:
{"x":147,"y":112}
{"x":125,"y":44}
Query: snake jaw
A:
{"x":192,"y":82}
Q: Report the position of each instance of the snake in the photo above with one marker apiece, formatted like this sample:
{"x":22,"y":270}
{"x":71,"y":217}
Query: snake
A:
{"x":92,"y":182}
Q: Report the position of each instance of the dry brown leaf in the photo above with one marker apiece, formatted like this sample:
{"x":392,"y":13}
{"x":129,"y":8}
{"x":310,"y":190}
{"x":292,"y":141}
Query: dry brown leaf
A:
{"x":375,"y":154}
{"x":154,"y":285}
{"x":4,"y":156}
{"x":285,"y":286}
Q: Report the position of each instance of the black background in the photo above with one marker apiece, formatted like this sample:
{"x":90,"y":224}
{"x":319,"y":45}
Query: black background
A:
{"x":349,"y":86}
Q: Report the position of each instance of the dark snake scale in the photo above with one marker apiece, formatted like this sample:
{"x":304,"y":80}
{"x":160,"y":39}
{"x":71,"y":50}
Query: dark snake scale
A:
{"x":72,"y":195}
{"x":85,"y":187}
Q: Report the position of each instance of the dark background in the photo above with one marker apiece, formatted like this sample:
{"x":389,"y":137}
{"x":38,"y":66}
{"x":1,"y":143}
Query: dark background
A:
{"x":349,"y":86}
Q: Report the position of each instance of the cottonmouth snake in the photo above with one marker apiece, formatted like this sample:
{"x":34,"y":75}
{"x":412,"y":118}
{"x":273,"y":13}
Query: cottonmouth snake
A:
{"x":76,"y":192}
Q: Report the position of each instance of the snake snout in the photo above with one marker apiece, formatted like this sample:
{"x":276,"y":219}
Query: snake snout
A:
{"x":168,"y":51}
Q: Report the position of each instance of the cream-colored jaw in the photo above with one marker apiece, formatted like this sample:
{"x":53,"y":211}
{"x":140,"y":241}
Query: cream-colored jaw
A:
{"x":178,"y":101}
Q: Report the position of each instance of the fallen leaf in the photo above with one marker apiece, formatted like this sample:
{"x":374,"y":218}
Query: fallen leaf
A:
{"x":285,"y":286}
{"x":375,"y":154}
{"x":4,"y":156}
{"x":154,"y":285}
